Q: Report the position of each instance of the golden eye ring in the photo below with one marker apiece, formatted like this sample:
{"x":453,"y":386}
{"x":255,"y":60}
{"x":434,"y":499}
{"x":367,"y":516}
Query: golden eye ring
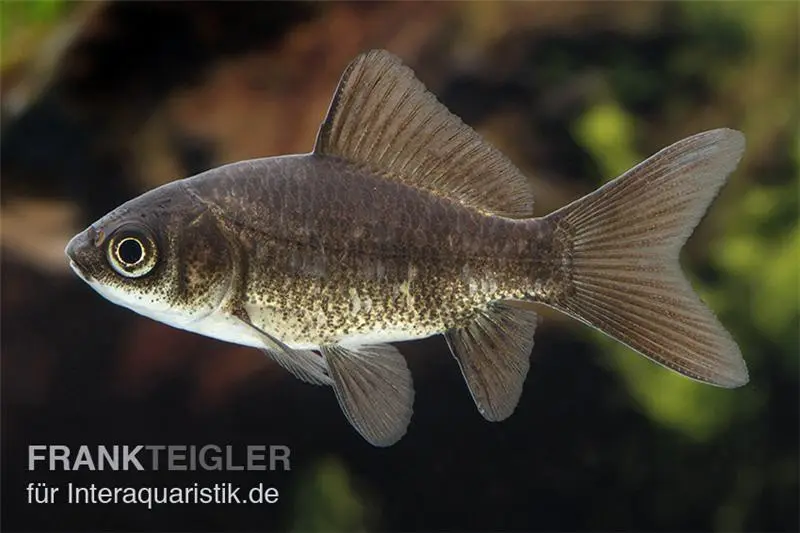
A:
{"x":132,"y":252}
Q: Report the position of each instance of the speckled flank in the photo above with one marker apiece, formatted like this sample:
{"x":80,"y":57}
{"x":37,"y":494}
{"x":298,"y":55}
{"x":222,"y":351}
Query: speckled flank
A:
{"x":326,"y":250}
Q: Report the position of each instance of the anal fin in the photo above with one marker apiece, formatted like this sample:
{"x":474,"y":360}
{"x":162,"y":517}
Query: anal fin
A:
{"x":494,"y":355}
{"x":374,"y":388}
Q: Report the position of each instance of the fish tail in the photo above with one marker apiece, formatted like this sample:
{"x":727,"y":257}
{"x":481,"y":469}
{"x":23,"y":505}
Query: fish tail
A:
{"x":616,"y":259}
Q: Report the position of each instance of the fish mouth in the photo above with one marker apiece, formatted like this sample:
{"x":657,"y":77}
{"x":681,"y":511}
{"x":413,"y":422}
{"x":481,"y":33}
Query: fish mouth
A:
{"x":71,"y":252}
{"x":77,"y":269}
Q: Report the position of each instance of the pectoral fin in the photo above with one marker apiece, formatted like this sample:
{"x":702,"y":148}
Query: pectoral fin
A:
{"x":303,"y":364}
{"x":374,"y":389}
{"x":493,"y":352}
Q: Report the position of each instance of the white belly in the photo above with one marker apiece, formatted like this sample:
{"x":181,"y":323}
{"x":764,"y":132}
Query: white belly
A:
{"x":230,"y":329}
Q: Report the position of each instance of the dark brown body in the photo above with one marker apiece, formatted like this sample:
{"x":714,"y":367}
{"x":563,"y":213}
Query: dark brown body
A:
{"x":402,"y":223}
{"x":327,"y":251}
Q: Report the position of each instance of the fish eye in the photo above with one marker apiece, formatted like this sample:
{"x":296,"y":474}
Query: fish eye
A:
{"x":132,"y":252}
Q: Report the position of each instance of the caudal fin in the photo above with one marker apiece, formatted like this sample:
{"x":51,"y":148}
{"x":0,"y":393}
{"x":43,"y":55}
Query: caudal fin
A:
{"x":620,"y":258}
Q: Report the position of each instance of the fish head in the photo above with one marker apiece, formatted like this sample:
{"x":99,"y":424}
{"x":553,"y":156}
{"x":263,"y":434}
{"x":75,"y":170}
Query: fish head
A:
{"x":162,"y":255}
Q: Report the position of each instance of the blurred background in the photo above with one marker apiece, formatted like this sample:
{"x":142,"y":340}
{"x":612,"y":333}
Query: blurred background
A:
{"x":102,"y":101}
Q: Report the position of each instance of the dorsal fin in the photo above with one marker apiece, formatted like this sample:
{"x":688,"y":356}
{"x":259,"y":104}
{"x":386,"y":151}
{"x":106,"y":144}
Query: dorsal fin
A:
{"x":383,"y":117}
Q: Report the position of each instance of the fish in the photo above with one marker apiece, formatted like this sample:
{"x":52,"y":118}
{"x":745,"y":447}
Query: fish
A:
{"x":403,"y":223}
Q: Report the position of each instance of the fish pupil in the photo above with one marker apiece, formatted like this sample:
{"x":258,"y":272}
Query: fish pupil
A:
{"x":130,"y":251}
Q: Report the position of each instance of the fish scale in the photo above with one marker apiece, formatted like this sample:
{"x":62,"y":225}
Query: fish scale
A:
{"x":363,"y":224}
